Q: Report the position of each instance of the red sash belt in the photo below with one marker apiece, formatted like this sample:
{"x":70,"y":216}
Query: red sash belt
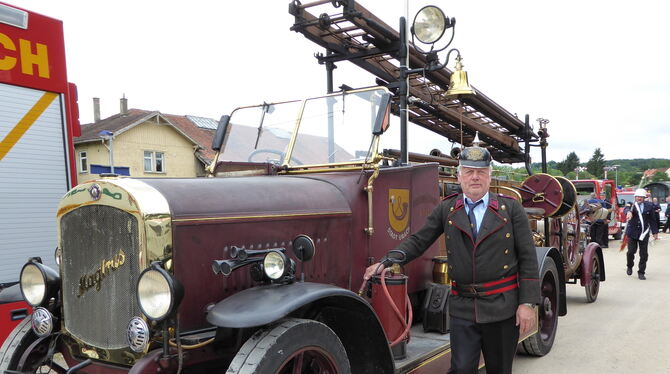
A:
{"x":485,"y":289}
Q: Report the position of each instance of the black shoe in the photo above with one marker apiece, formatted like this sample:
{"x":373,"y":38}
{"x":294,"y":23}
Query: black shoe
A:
{"x":641,"y":276}
{"x":629,"y":271}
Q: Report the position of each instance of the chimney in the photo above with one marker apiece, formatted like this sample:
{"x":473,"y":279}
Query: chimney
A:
{"x":96,"y":109}
{"x":124,"y":105}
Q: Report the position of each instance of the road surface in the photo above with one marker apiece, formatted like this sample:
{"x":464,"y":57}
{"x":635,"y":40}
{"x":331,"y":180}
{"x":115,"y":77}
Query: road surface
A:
{"x":626,"y":330}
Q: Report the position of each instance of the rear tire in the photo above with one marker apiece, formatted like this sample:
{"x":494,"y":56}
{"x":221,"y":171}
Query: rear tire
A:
{"x":540,"y":344}
{"x":292,"y":346}
{"x":593,"y":287}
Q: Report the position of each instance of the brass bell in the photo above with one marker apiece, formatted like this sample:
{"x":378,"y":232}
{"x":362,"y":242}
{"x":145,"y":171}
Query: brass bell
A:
{"x":458,"y":83}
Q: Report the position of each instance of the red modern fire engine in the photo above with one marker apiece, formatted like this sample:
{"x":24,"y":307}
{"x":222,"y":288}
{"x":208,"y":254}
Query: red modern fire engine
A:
{"x":38,"y":119}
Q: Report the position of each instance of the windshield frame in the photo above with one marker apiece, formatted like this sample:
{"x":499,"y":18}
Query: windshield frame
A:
{"x":372,"y":157}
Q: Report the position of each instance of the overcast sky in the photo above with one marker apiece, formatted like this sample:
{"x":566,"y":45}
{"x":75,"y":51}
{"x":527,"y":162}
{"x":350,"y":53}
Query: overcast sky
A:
{"x":598,"y":70}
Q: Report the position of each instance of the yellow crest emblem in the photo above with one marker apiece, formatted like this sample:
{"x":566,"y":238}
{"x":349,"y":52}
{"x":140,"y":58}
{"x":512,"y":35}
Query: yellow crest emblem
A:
{"x":399,"y":209}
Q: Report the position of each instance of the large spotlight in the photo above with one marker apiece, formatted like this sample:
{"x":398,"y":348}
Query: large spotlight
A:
{"x":429,"y":24}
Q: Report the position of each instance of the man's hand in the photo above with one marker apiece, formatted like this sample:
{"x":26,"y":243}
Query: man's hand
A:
{"x":373,"y":270}
{"x":629,"y":215}
{"x":524,"y":318}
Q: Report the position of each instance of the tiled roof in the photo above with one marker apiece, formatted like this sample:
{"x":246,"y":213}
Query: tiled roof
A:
{"x":120,"y":122}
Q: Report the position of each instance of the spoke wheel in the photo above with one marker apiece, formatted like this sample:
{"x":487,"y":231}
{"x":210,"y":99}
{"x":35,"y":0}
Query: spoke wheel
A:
{"x":292,"y":346}
{"x":540,"y":344}
{"x":593,"y":286}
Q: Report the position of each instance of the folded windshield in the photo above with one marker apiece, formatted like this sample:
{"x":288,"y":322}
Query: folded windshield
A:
{"x":329,"y":129}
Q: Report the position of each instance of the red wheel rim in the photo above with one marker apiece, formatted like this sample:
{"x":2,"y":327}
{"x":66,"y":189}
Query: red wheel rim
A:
{"x":309,"y":360}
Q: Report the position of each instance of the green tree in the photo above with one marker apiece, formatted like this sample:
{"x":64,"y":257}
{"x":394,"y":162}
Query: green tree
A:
{"x":659,"y":176}
{"x":569,"y":164}
{"x":596,"y":163}
{"x":634,"y":179}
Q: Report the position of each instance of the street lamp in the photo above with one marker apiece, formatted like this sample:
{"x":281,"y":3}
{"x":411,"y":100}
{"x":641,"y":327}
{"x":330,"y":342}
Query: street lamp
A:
{"x":616,"y":173}
{"x":108,"y":135}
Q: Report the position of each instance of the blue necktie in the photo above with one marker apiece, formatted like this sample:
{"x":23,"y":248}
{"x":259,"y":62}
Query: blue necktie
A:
{"x":471,"y":216}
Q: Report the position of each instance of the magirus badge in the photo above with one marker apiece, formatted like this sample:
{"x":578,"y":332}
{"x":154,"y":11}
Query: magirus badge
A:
{"x":94,"y":191}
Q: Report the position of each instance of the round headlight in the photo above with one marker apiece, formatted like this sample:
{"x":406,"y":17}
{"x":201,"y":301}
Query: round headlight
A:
{"x":158,"y":293}
{"x":429,"y":24}
{"x":274,"y":265}
{"x":33,"y":284}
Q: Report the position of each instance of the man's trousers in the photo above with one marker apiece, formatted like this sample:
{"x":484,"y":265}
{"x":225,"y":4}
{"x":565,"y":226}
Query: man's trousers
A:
{"x":497,"y":341}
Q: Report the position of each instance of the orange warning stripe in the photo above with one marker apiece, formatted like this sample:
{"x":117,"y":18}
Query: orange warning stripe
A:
{"x":24,"y":124}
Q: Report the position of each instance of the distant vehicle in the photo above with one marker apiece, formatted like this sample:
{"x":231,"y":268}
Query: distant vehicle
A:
{"x":663,"y":217}
{"x":625,"y":197}
{"x":603,"y":189}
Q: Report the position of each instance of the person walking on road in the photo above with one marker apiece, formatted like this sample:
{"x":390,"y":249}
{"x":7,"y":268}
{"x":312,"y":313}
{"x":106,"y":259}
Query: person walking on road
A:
{"x":641,"y":225}
{"x":492,"y":264}
{"x":667,"y":214}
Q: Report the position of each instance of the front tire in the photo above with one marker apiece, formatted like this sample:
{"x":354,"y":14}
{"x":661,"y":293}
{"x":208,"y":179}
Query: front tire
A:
{"x":23,"y":351}
{"x":540,"y":344}
{"x":292,"y":346}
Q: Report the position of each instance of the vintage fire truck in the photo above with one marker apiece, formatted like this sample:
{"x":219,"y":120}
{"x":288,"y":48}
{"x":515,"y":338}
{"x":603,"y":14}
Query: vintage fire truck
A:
{"x":602,"y":189}
{"x":38,"y":119}
{"x":259,"y":268}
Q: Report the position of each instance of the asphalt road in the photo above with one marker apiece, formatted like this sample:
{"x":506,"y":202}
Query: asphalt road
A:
{"x":626,"y":330}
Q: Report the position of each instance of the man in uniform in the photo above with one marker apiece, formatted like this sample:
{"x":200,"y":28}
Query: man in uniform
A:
{"x":641,"y":224}
{"x":492,"y":264}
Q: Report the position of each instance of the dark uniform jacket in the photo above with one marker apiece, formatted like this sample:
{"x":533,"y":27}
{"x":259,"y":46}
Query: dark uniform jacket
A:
{"x":634,"y":227}
{"x":504,"y":248}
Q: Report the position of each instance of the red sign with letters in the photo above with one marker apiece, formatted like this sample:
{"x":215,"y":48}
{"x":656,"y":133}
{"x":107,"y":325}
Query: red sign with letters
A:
{"x":33,"y":57}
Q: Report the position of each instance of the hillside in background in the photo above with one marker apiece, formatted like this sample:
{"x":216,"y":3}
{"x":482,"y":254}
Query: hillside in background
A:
{"x":628,"y":172}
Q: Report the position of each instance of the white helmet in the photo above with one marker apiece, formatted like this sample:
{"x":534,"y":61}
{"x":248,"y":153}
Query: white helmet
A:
{"x":641,"y":192}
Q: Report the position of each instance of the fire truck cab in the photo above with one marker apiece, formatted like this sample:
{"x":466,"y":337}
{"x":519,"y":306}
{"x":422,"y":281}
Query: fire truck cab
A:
{"x":38,"y":119}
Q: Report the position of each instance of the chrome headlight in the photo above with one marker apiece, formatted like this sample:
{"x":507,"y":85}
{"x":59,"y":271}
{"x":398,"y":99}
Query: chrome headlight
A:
{"x":275,"y":265}
{"x":158,"y":293}
{"x":38,"y":283}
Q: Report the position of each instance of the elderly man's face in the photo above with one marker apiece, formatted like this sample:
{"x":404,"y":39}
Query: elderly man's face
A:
{"x":475,"y":182}
{"x":639,"y":199}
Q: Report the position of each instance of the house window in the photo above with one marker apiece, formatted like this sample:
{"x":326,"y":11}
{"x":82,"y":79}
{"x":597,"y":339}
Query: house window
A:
{"x":83,"y":162}
{"x":154,"y":162}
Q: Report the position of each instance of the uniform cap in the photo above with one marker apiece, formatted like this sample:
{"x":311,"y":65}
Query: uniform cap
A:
{"x":475,"y":157}
{"x":641,"y":192}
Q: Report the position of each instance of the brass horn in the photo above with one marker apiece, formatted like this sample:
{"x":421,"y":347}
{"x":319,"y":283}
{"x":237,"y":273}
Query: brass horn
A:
{"x":458,"y":83}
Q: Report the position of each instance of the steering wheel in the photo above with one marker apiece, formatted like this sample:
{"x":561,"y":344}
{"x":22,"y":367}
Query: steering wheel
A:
{"x":272,"y":151}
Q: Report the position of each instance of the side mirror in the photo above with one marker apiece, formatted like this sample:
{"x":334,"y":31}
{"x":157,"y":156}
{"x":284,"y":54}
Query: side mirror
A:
{"x":383,"y":118}
{"x":221,"y":131}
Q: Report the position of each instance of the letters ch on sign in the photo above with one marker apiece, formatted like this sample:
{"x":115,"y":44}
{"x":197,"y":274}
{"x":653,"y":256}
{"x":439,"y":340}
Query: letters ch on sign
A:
{"x":29,"y":54}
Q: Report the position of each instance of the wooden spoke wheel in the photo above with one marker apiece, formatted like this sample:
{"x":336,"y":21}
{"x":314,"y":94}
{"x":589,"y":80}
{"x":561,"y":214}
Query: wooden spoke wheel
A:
{"x":293,"y":346}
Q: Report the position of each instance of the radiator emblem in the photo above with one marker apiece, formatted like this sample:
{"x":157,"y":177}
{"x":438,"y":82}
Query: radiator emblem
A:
{"x":88,"y":281}
{"x":94,"y":191}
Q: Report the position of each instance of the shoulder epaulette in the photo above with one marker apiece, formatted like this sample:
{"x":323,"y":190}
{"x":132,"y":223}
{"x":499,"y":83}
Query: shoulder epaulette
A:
{"x":450,"y":196}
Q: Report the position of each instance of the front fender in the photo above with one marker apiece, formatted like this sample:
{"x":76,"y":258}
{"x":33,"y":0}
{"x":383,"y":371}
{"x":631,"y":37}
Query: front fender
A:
{"x":348,"y":315}
{"x":555,"y":255}
{"x":592,"y":250}
{"x":259,"y":306}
